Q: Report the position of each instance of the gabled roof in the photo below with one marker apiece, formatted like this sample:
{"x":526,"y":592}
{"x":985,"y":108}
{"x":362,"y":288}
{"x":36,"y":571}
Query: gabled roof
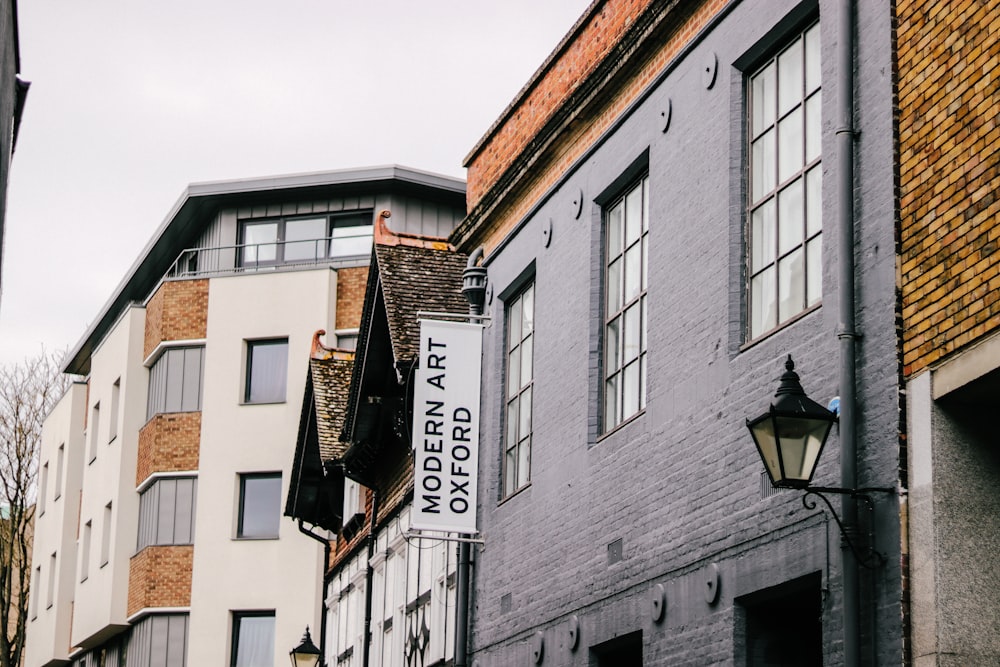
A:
{"x":409,"y":274}
{"x":315,"y":492}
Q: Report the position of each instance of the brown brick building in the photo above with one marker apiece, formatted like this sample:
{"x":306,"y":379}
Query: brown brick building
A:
{"x":948,"y":61}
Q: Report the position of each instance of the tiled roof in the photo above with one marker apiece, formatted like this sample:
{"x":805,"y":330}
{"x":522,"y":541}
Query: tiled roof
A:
{"x":331,"y":380}
{"x":418,"y":278}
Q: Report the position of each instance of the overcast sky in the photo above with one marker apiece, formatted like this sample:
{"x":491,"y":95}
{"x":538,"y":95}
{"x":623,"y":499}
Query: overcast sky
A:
{"x":131,"y":101}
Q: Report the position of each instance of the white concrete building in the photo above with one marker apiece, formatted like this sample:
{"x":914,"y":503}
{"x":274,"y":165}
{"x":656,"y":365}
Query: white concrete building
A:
{"x":162,"y":477}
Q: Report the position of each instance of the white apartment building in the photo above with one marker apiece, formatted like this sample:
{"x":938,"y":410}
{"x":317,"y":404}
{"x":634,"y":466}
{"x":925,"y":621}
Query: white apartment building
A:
{"x":160,"y":540}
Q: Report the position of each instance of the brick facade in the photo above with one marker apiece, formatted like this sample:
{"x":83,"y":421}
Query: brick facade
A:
{"x":949,"y":164}
{"x":177,"y":311}
{"x":168,"y":442}
{"x":498,"y":173}
{"x":351,"y":296}
{"x":160,"y":576}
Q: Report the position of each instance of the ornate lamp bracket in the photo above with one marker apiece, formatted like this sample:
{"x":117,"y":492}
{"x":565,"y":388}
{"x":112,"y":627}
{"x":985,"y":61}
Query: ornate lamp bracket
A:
{"x":868,"y":557}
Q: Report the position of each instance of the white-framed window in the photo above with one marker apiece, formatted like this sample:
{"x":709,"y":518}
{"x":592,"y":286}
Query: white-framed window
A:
{"x":784,"y":254}
{"x":260,"y":506}
{"x":305,"y":240}
{"x":167,"y":511}
{"x":253,"y":639}
{"x":354,"y":502}
{"x":266,"y":371}
{"x":36,"y":581}
{"x":626,"y":227}
{"x":175,"y":380}
{"x":520,"y":318}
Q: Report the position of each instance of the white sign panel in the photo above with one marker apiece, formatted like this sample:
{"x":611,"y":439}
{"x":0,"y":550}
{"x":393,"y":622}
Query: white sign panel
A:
{"x":446,"y":426}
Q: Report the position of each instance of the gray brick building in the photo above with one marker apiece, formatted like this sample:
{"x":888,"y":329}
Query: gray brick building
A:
{"x":661,"y":210}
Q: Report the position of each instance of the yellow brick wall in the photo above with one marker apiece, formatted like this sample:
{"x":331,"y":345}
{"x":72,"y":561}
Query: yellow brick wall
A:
{"x":351,"y":285}
{"x":168,"y":442}
{"x":177,"y":311}
{"x":949,"y":152}
{"x":160,"y":576}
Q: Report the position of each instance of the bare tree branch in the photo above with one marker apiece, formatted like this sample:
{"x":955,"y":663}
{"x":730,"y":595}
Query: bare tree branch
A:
{"x":28,"y":391}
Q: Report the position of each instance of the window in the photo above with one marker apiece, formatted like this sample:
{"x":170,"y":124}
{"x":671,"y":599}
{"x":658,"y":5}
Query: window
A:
{"x":267,"y":371}
{"x":115,"y":396}
{"x":626,"y":258}
{"x":43,"y":488}
{"x":85,"y":552}
{"x":175,"y":381}
{"x":354,"y":499}
{"x":785,"y":207}
{"x":166,"y":512}
{"x":50,"y":595}
{"x":158,"y":641}
{"x":106,"y":536}
{"x":347,"y":339}
{"x":95,"y":423}
{"x":60,"y":462}
{"x":35,"y":591}
{"x":305,"y":240}
{"x":260,"y":504}
{"x":253,"y":639}
{"x":520,"y":344}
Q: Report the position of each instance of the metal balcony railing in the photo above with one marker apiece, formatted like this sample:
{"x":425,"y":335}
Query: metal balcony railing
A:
{"x":341,"y":250}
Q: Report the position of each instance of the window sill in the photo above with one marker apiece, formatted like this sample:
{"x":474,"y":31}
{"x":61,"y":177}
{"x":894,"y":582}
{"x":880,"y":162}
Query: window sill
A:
{"x":101,"y":566}
{"x":620,"y":426}
{"x":781,"y":327}
{"x":514,"y":494}
{"x":254,"y":539}
{"x":281,"y":402}
{"x":91,"y":460}
{"x":113,"y":438}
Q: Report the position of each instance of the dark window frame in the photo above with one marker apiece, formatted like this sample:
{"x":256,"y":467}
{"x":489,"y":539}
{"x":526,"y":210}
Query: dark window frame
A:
{"x":324,"y":247}
{"x":237,"y":618}
{"x":514,"y":397}
{"x":241,"y":531}
{"x":614,"y":314}
{"x":249,"y":377}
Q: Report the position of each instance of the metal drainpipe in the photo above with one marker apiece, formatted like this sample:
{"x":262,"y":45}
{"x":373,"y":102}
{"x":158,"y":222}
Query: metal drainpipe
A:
{"x":474,"y":290}
{"x":326,"y":585}
{"x":369,"y":578}
{"x":847,"y":335}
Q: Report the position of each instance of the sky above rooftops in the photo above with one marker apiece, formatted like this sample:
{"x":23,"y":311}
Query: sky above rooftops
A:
{"x":132,"y":101}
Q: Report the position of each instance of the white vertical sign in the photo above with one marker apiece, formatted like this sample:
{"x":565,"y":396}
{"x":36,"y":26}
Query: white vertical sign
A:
{"x":446,"y":426}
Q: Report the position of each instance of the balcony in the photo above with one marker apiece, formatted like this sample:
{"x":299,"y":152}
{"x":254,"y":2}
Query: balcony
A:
{"x":338,"y":251}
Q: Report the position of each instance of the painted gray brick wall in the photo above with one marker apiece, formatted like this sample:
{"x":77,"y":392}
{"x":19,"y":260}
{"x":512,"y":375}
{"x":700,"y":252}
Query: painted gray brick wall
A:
{"x":680,"y":484}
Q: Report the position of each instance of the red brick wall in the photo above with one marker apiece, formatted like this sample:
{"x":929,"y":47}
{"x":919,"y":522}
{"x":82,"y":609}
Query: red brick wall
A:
{"x":505,"y":144}
{"x":949,"y":154}
{"x":177,"y":311}
{"x":168,"y":442}
{"x":160,"y":576}
{"x":351,"y":285}
{"x":580,"y":56}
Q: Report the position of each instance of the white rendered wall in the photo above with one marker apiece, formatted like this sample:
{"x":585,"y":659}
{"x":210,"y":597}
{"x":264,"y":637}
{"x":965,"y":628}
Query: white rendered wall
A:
{"x":55,"y":531}
{"x":230,"y":574}
{"x":101,"y":600}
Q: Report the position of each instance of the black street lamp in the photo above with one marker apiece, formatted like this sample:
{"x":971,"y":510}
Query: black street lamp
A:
{"x":791,"y":434}
{"x":305,"y":654}
{"x":790,"y":437}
